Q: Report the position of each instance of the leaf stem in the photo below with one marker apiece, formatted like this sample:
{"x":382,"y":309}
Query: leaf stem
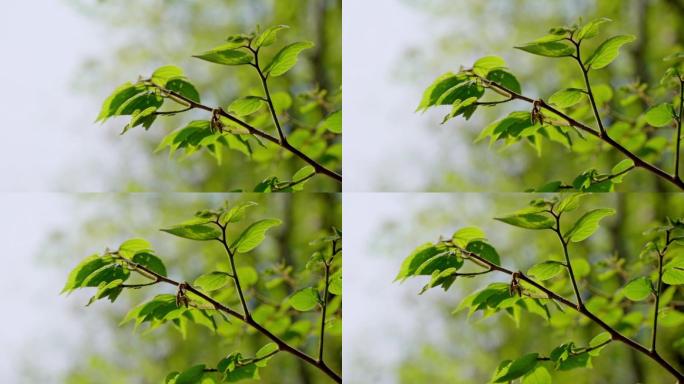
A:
{"x":231,"y":256}
{"x":592,"y":100}
{"x":321,"y":339}
{"x":267,"y":93}
{"x":564,"y":243}
{"x":661,"y":255}
{"x":679,"y":127}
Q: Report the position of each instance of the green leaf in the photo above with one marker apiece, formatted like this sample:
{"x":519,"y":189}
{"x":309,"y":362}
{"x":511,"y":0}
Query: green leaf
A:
{"x":184,"y":88}
{"x":212,"y":281}
{"x":540,"y":375}
{"x":84,"y":269}
{"x":567,"y":97}
{"x":546,"y":270}
{"x":591,"y":29}
{"x":226,"y":54}
{"x":191,"y":375}
{"x":549,"y":48}
{"x":638,"y":289}
{"x":587,"y":224}
{"x":416,"y":259}
{"x":505,"y":79}
{"x":515,"y":125}
{"x":484,"y":250}
{"x":333,"y":122}
{"x":528,"y":220}
{"x":110,"y":289}
{"x":152,"y":262}
{"x":130,"y":247}
{"x":301,"y":174}
{"x":673,"y":275}
{"x":660,"y":115}
{"x":268,"y":36}
{"x":438,"y":87}
{"x":246,"y":105}
{"x":139,"y":103}
{"x":195,"y":231}
{"x":305,"y":299}
{"x":236,"y":213}
{"x":621,"y":169}
{"x":608,"y":51}
{"x":122,"y":94}
{"x":251,"y":237}
{"x":597,"y":340}
{"x":518,"y":368}
{"x":484,"y":65}
{"x":163,"y":74}
{"x":570,"y":203}
{"x":286,"y":58}
{"x":467,"y":234}
{"x":264,"y":351}
{"x":336,"y":283}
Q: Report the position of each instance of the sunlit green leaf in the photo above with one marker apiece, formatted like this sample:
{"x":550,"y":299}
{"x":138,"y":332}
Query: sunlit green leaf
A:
{"x":517,"y":368}
{"x":246,"y":105}
{"x":587,"y":224}
{"x":591,"y":29}
{"x":195,"y":231}
{"x":286,"y":58}
{"x":608,"y":51}
{"x":549,"y":49}
{"x":529,"y":220}
{"x":226,"y":54}
{"x":567,"y":97}
{"x":305,"y":299}
{"x":268,"y":36}
{"x":546,"y":270}
{"x":251,"y":237}
{"x":660,"y":115}
{"x":638,"y":289}
{"x":212,"y":281}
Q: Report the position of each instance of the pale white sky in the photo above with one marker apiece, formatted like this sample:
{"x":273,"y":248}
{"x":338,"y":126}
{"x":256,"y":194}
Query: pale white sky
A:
{"x":48,"y":129}
{"x":386,"y":145}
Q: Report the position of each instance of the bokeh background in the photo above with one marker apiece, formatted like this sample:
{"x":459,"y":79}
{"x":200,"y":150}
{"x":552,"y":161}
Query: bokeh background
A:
{"x":393,"y":49}
{"x":393,"y":335}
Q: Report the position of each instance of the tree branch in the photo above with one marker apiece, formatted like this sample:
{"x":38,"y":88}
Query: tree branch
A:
{"x":568,"y":265}
{"x":269,"y":100}
{"x":679,"y":127}
{"x":177,"y":97}
{"x":661,"y":255}
{"x":592,"y":100}
{"x":615,"y":334}
{"x":638,"y":162}
{"x":282,"y":345}
{"x":231,"y":256}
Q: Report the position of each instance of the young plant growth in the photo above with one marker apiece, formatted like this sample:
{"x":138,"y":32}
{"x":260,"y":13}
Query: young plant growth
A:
{"x":211,"y":301}
{"x":545,"y":289}
{"x":257,"y":125}
{"x":644,"y":125}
